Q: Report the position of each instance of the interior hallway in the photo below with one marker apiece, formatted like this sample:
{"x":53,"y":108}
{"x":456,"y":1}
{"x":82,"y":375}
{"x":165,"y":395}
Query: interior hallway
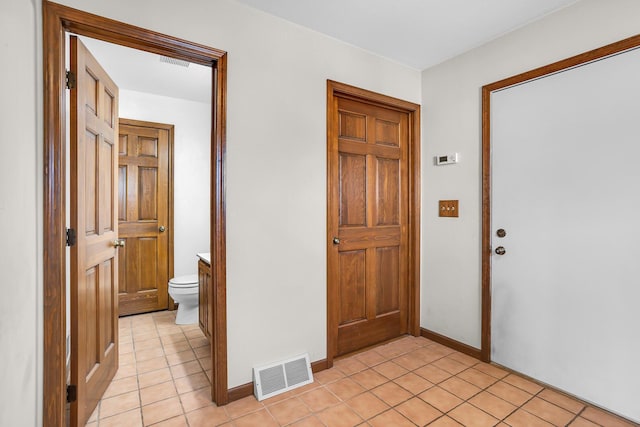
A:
{"x":164,"y":373}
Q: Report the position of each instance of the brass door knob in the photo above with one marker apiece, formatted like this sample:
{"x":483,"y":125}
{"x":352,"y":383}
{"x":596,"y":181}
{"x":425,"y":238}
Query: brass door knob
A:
{"x":500,"y":250}
{"x":161,"y":229}
{"x":118,"y":243}
{"x":336,"y":241}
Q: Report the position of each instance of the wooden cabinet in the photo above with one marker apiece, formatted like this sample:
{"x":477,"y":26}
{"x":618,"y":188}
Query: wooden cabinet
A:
{"x":204,"y":313}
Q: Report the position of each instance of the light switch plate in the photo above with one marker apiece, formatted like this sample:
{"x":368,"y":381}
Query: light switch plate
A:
{"x":448,"y":208}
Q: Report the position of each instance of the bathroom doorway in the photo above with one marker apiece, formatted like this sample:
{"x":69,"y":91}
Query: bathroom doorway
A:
{"x":58,"y":20}
{"x":120,"y":191}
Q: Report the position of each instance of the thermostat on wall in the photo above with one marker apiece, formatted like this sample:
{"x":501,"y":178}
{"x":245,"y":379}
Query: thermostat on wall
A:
{"x":447,"y":159}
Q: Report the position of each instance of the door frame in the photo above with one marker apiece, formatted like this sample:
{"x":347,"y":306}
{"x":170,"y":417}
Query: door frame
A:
{"x":170,"y":219}
{"x":57,"y":21}
{"x":486,"y":249}
{"x":337,"y":90}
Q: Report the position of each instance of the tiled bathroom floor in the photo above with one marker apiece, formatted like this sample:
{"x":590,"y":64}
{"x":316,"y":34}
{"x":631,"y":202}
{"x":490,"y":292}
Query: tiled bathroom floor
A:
{"x":164,"y":372}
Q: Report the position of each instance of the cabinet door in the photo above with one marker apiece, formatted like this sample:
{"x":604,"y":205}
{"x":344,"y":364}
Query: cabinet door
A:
{"x":203,"y":303}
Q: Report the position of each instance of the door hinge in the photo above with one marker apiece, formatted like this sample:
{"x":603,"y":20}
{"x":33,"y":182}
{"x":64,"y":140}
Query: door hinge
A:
{"x":71,"y":237}
{"x":71,"y":80}
{"x":72,"y":393}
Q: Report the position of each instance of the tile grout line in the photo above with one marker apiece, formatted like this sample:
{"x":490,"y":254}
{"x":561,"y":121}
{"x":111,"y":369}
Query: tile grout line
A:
{"x":498,"y":397}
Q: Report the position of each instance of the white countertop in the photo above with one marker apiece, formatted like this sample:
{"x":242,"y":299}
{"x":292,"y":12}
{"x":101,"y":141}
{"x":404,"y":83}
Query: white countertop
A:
{"x":205,"y":256}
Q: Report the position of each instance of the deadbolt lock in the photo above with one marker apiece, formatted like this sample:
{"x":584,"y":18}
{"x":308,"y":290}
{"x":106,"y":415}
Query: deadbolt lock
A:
{"x":501,"y":232}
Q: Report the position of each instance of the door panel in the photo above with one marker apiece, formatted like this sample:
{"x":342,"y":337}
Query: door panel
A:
{"x":122,"y":192}
{"x":353,"y":306}
{"x":353,"y":125}
{"x":388,"y":296}
{"x":148,"y":262}
{"x":94,"y":307}
{"x":105,"y":182}
{"x":387,"y":133}
{"x":147,"y":194}
{"x":388,"y":189}
{"x":370,"y":164}
{"x":353,"y":181}
{"x":144,"y":194}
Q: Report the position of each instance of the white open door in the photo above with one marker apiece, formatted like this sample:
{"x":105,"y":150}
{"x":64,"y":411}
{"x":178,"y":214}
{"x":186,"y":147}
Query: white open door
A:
{"x":566,"y":191}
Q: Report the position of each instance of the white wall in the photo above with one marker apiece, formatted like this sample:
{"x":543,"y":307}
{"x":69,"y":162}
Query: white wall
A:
{"x":276,"y":174}
{"x":20,"y":196}
{"x":451,"y":95}
{"x":192,"y":143}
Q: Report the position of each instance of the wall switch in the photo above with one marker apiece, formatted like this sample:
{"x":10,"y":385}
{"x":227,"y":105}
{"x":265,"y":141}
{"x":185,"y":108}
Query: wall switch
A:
{"x":448,"y":208}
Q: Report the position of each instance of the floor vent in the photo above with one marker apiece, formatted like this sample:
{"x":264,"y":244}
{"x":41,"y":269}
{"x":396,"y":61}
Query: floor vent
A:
{"x":271,"y":380}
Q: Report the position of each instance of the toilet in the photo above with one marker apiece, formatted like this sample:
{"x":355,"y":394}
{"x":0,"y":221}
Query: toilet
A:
{"x":184,"y":291}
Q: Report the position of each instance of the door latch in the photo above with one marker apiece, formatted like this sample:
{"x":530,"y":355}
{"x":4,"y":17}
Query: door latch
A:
{"x":71,"y":237}
{"x":72,"y":393}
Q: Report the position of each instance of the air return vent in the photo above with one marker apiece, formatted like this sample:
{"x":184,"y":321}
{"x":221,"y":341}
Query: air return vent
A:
{"x":283,"y":376}
{"x":174,"y":61}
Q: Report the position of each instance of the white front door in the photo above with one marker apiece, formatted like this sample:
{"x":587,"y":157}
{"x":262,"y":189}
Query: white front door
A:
{"x":566,"y":191}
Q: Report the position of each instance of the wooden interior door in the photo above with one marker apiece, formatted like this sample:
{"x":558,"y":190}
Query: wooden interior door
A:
{"x":94,"y":260}
{"x":144,"y":215}
{"x":368,"y":224}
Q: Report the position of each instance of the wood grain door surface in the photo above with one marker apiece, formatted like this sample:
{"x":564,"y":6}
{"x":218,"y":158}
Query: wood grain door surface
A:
{"x":368,"y":214}
{"x":94,"y":260}
{"x":144,"y":216}
{"x":204,"y":309}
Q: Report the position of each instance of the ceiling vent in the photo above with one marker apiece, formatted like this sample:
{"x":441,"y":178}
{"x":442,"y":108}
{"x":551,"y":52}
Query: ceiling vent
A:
{"x":178,"y":62}
{"x":277,"y":378}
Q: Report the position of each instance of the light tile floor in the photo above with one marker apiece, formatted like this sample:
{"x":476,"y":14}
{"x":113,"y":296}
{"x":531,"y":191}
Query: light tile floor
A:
{"x":164,"y":374}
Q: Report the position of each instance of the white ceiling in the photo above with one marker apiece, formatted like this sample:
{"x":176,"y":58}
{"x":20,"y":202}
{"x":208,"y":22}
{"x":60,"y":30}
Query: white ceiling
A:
{"x":143,"y":72}
{"x":417,"y":33}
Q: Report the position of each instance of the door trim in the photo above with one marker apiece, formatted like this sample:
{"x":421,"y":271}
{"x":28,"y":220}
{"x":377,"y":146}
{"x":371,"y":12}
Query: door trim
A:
{"x":335,"y":90}
{"x":169,"y":128}
{"x":574,"y":61}
{"x":57,"y":20}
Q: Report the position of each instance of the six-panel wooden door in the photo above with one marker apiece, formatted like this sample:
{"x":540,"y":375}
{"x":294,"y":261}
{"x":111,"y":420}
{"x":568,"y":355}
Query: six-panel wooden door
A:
{"x":144,"y":188}
{"x":94,"y":258}
{"x":369,"y":216}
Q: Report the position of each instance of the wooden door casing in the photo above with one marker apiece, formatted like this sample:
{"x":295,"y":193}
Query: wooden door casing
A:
{"x":372,"y":291}
{"x":94,"y":260}
{"x":145,"y":205}
{"x":57,"y":20}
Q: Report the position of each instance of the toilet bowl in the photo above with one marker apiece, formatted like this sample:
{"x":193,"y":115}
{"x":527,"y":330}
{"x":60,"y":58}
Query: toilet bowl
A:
{"x":184,"y":291}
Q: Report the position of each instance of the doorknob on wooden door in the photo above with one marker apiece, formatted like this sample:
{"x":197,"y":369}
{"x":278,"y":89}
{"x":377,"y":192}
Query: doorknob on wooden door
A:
{"x":161,"y":229}
{"x":336,"y":241}
{"x":118,"y":243}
